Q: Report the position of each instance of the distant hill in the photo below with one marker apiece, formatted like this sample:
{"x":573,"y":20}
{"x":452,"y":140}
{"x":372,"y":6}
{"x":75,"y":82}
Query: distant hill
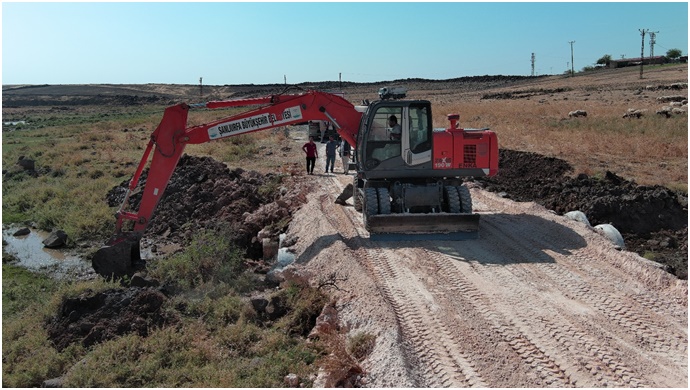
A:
{"x":168,"y":94}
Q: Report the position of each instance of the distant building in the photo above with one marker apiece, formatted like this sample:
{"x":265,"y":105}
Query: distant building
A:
{"x":623,"y":62}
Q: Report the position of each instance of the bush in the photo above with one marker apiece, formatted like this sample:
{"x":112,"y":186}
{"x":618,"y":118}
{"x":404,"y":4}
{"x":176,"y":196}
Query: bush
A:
{"x":210,"y":257}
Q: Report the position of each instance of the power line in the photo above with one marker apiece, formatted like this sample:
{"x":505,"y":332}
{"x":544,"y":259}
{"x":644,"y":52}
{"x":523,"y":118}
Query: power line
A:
{"x":532,"y":64}
{"x":642,"y":32}
{"x":572,"y":61}
{"x":652,"y":41}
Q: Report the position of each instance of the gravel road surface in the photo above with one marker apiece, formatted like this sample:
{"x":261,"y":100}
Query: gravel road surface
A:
{"x":536,"y":301}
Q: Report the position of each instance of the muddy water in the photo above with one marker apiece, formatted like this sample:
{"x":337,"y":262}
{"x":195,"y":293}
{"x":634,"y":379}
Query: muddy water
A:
{"x":32,"y":255}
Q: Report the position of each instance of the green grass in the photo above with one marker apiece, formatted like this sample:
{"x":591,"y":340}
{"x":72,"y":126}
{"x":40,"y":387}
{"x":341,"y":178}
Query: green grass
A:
{"x":80,"y":155}
{"x":22,"y":288}
{"x":219,"y":340}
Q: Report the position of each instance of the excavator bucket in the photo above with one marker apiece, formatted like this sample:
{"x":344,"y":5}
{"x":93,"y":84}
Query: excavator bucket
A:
{"x":120,"y":257}
{"x":415,"y":227}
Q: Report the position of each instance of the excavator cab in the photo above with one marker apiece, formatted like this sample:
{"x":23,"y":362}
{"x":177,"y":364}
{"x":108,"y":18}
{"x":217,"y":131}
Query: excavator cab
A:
{"x":414,"y":183}
{"x":382,"y":152}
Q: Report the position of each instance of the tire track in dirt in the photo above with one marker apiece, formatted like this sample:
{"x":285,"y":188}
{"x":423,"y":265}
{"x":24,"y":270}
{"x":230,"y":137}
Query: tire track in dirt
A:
{"x":651,"y":334}
{"x":464,"y":293}
{"x":443,"y":363}
{"x":532,"y":303}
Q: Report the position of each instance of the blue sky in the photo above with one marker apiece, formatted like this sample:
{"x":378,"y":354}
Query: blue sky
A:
{"x":259,"y":43}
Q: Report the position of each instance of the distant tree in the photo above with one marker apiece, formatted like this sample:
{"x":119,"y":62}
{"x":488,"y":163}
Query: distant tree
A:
{"x":674,"y":53}
{"x":604,"y":60}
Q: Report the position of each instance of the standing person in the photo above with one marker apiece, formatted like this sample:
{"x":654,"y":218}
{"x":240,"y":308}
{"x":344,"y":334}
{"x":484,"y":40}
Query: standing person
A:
{"x":331,"y":146}
{"x":345,"y":151}
{"x":312,"y":154}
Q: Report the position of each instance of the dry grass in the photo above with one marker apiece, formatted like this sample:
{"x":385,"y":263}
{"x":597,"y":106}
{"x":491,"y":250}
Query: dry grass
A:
{"x":651,"y":150}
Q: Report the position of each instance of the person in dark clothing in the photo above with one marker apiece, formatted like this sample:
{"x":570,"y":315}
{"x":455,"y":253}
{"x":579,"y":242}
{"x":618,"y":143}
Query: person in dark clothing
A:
{"x":312,"y":154}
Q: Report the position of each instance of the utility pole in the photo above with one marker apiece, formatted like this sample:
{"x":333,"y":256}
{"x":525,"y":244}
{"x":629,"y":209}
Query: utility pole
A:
{"x":201,"y":88}
{"x":532,"y":64}
{"x":572,"y":60}
{"x":642,"y":32}
{"x":340,"y":80}
{"x":285,"y":79}
{"x":652,"y":41}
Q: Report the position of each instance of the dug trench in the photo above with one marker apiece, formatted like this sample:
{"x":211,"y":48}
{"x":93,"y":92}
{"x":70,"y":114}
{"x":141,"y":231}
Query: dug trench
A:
{"x":204,"y":194}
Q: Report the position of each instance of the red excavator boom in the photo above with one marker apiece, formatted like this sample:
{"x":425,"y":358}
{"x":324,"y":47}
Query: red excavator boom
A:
{"x":172,"y":135}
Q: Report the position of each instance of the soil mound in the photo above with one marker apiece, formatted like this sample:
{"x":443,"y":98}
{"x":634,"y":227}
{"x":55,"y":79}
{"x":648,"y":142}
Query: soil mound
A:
{"x":93,"y":318}
{"x":651,"y":218}
{"x":204,"y":193}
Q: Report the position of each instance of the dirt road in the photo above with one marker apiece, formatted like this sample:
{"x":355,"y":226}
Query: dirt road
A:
{"x":536,"y":301}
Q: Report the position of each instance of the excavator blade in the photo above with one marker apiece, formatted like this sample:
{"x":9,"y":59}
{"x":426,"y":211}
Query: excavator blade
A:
{"x":438,"y":226}
{"x":120,"y":257}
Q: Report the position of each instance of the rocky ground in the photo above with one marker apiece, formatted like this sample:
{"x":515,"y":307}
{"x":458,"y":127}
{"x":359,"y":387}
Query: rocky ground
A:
{"x":653,"y":220}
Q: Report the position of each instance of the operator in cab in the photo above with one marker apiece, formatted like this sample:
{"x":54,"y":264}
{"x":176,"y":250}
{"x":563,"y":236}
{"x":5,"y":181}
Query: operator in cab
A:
{"x":396,"y":129}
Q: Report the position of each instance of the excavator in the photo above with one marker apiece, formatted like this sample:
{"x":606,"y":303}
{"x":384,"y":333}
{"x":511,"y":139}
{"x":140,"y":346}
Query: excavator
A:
{"x":407,"y":183}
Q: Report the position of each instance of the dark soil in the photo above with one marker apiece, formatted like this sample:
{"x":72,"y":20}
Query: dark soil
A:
{"x":205,"y":194}
{"x":93,"y":318}
{"x":652,"y":219}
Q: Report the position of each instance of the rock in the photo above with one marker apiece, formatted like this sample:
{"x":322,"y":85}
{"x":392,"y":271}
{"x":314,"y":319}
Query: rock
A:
{"x":22,"y":232}
{"x":291,"y":380}
{"x":53,"y":383}
{"x":675,"y":98}
{"x":141,"y":280}
{"x":270,"y":248}
{"x":610,"y":232}
{"x":578,"y":216}
{"x":56,"y":239}
{"x":326,"y":322}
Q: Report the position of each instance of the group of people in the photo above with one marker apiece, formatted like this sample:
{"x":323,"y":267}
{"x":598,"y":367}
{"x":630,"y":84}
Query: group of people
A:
{"x":332,"y":148}
{"x":343,"y":148}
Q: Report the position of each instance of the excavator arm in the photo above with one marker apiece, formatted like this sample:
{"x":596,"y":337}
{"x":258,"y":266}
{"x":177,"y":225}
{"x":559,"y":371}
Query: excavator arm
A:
{"x":172,"y":135}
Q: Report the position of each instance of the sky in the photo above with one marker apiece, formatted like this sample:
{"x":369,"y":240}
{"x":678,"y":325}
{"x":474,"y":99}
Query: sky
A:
{"x":278,"y":42}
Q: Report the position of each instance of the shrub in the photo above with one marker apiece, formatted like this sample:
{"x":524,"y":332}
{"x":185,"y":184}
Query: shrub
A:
{"x":209,"y":257}
{"x":361,"y":345}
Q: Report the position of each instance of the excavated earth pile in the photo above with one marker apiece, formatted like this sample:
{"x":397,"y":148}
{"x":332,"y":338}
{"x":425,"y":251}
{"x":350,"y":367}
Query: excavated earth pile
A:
{"x":204,"y":193}
{"x":94,"y":318}
{"x":652,"y":219}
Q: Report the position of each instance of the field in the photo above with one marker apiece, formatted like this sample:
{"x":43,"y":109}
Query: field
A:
{"x":86,"y":140}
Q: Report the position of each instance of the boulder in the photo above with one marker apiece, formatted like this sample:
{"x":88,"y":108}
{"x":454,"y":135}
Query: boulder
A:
{"x":22,"y":232}
{"x":610,"y":232}
{"x":578,"y":216}
{"x":56,"y":239}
